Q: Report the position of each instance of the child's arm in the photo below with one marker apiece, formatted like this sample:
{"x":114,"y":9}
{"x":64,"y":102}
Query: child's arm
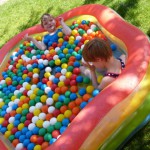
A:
{"x":41,"y":46}
{"x":66,"y":30}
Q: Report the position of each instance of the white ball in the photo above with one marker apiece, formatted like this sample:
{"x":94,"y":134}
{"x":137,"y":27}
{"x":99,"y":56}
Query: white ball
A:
{"x":63,"y":71}
{"x":47,"y":89}
{"x":42,"y":116}
{"x":23,"y":56}
{"x":93,"y":26}
{"x":3,"y":81}
{"x":9,"y":109}
{"x":46,"y":52}
{"x":78,"y":37}
{"x":1,"y":100}
{"x":57,"y":49}
{"x":11,"y":119}
{"x":82,"y":46}
{"x":21,"y":89}
{"x":16,"y":92}
{"x":51,"y":77}
{"x":45,"y":62}
{"x":35,"y":119}
{"x":11,"y":103}
{"x":29,"y":92}
{"x":53,"y":120}
{"x":14,"y":53}
{"x":48,"y":69}
{"x":55,"y":57}
{"x":33,"y":51}
{"x":24,"y":84}
{"x":49,"y":101}
{"x":51,"y":109}
{"x":62,"y":78}
{"x":33,"y":57}
{"x":16,"y":101}
{"x":29,"y":66}
{"x":33,"y":86}
{"x":19,"y":146}
{"x":27,"y":59}
{"x":14,"y":58}
{"x":35,"y":75}
{"x":46,"y":124}
{"x":10,"y":67}
{"x":38,"y":105}
{"x":31,"y":109}
{"x":31,"y":126}
{"x":40,"y":61}
{"x":89,"y":31}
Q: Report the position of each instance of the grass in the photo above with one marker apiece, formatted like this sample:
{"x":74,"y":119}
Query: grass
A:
{"x":17,"y":15}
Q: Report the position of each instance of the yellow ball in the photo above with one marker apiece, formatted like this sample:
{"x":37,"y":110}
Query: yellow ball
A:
{"x":74,"y":32}
{"x":78,"y":21}
{"x":32,"y":96}
{"x":60,"y":34}
{"x":65,"y":50}
{"x":19,"y":110}
{"x":37,"y":147}
{"x":10,"y":126}
{"x":36,"y":112}
{"x":38,"y":38}
{"x":7,"y":134}
{"x":20,"y":126}
{"x":20,"y":61}
{"x":55,"y":96}
{"x":67,"y":113}
{"x":28,"y":44}
{"x":8,"y":79}
{"x":39,"y":123}
{"x":57,"y":62}
{"x":26,"y":52}
{"x":1,"y":120}
{"x":1,"y":104}
{"x":99,"y":78}
{"x":25,"y":106}
{"x":18,"y":65}
{"x":61,"y":40}
{"x":24,"y":76}
{"x":61,"y":83}
{"x":60,"y":117}
{"x":36,"y":70}
{"x":71,"y":41}
{"x":13,"y":97}
{"x":47,"y":75}
{"x":22,"y":97}
{"x":89,"y":89}
{"x":43,"y":98}
{"x":35,"y":90}
{"x":68,"y":74}
{"x":52,"y":51}
{"x":64,"y":66}
{"x":71,"y":38}
{"x":86,"y":41}
{"x":28,"y":87}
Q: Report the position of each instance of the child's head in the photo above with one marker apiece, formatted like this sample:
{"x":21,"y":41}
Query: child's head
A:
{"x":48,"y":22}
{"x":96,"y":49}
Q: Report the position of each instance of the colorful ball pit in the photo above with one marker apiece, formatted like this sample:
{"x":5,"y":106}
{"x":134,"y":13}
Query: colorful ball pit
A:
{"x":36,"y":114}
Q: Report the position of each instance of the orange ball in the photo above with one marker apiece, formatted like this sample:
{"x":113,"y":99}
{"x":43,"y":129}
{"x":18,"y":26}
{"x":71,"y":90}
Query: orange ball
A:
{"x":64,"y":89}
{"x":86,"y":97}
{"x":63,"y":109}
{"x":44,"y":145}
{"x":58,"y":74}
{"x":15,"y":142}
{"x":58,"y":90}
{"x":78,"y":101}
{"x":71,"y":105}
{"x":70,"y":63}
{"x":72,"y":58}
{"x":44,"y":108}
{"x":75,"y":110}
{"x":49,"y":116}
{"x":35,"y":80}
{"x":34,"y":138}
{"x":74,"y":88}
{"x":13,"y":113}
{"x":49,"y":83}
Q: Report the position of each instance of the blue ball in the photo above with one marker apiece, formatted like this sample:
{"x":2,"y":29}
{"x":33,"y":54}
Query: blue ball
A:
{"x":76,"y":64}
{"x":61,"y":98}
{"x":38,"y":56}
{"x":83,"y":104}
{"x":26,"y":142}
{"x":3,"y":113}
{"x":17,"y":116}
{"x":65,"y":122}
{"x":63,"y":46}
{"x":79,"y":79}
{"x":82,"y":91}
{"x":21,"y":51}
{"x":58,"y":69}
{"x":50,"y":93}
{"x":3,"y":130}
{"x":113,"y":47}
{"x":18,"y":134}
{"x":73,"y":96}
{"x":16,"y":123}
{"x":95,"y":92}
{"x":27,"y":79}
{"x":78,"y":57}
{"x":19,"y":79}
{"x":25,"y":130}
{"x":52,"y":140}
{"x":62,"y":129}
{"x":4,"y":107}
{"x":14,"y":107}
{"x":55,"y":80}
{"x":70,"y":51}
{"x":39,"y":84}
{"x":34,"y":65}
{"x":65,"y":43}
{"x":40,"y":66}
{"x":83,"y":22}
{"x":76,"y":42}
{"x":35,"y":130}
{"x":22,"y":138}
{"x":28,"y":134}
{"x":30,"y":146}
{"x":43,"y":86}
{"x":61,"y":55}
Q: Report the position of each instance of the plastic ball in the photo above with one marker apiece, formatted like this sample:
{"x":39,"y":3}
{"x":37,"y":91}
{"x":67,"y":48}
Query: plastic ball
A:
{"x":95,"y":92}
{"x":113,"y":47}
{"x":53,"y":120}
{"x":83,"y":104}
{"x":67,"y":113}
{"x":89,"y":89}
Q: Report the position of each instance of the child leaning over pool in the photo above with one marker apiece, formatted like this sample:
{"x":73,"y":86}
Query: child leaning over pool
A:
{"x":98,"y":56}
{"x":48,"y":22}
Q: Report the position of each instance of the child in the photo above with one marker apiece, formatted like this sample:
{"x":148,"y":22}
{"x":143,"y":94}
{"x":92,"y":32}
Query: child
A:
{"x":98,"y":56}
{"x":48,"y":22}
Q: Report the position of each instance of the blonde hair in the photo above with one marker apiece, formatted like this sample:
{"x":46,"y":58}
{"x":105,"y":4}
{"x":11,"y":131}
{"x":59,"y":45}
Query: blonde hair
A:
{"x":96,"y":48}
{"x":42,"y":17}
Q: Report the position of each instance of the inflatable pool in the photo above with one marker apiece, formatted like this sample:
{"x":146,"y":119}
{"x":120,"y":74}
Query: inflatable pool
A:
{"x":116,"y":111}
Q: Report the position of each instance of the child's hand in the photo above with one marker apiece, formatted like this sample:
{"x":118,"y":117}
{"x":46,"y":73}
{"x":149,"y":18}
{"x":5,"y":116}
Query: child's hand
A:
{"x":27,"y":38}
{"x":91,"y":67}
{"x":60,"y":19}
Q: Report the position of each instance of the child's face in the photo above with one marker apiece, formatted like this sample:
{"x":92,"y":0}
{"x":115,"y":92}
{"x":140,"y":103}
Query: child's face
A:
{"x":99,"y":64}
{"x":49,"y":23}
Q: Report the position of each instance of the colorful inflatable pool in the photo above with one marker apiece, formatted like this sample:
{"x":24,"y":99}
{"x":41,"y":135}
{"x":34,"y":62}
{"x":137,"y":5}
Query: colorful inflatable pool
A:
{"x":116,"y":111}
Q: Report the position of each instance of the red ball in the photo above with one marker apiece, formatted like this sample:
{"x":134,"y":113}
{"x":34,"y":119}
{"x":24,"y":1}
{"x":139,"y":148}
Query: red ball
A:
{"x":55,"y":133}
{"x":73,"y":77}
{"x":40,"y":140}
{"x":53,"y":87}
{"x":66,"y":38}
{"x":44,"y":80}
{"x":76,"y":71}
{"x":27,"y":122}
{"x":14,"y":130}
{"x":56,"y":112}
{"x":67,"y":82}
{"x":7,"y":116}
{"x":72,"y":117}
{"x":25,"y":71}
{"x":73,"y":82}
{"x":25,"y":92}
{"x":18,"y":86}
{"x":5,"y":123}
{"x":29,"y":116}
{"x":54,"y":44}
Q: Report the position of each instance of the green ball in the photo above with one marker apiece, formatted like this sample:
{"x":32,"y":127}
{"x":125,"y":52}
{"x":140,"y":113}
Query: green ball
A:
{"x":21,"y":82}
{"x":41,"y":52}
{"x":47,"y":137}
{"x":68,"y":56}
{"x":51,"y":63}
{"x":72,"y":27}
{"x":58,"y":104}
{"x":42,"y":131}
{"x":76,"y":25}
{"x":64,"y":60}
{"x":11,"y":138}
{"x":19,"y":74}
{"x":67,"y":101}
{"x":14,"y":83}
{"x":32,"y":102}
{"x":70,"y":68}
{"x":12,"y":62}
{"x":23,"y":119}
{"x":30,"y":69}
{"x":7,"y":101}
{"x":38,"y":99}
{"x":10,"y":95}
{"x":40,"y":92}
{"x":38,"y":52}
{"x":19,"y":95}
{"x":1,"y":94}
{"x":50,"y":129}
{"x":86,"y":80}
{"x":57,"y":125}
{"x":68,"y":46}
{"x":25,"y":112}
{"x":74,"y":53}
{"x":59,"y":52}
{"x":4,"y":85}
{"x":21,"y":46}
{"x":73,"y":46}
{"x":67,"y":93}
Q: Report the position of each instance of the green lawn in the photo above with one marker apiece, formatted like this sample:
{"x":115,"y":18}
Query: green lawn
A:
{"x":17,"y":15}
